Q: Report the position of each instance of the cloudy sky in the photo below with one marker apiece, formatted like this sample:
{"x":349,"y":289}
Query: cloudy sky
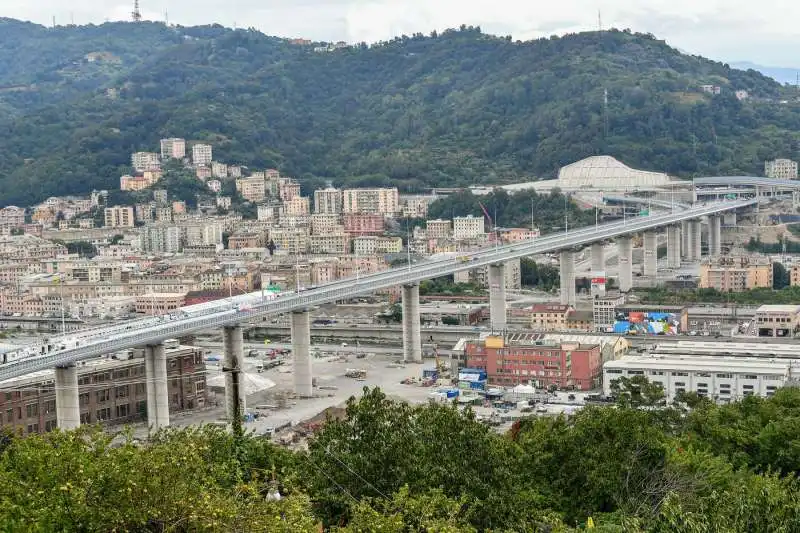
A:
{"x":764,"y":32}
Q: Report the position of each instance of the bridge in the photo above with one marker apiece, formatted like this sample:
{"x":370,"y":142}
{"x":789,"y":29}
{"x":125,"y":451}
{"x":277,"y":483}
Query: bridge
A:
{"x":150,"y":333}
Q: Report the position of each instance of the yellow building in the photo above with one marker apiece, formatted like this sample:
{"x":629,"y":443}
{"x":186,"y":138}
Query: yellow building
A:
{"x":736,"y":273}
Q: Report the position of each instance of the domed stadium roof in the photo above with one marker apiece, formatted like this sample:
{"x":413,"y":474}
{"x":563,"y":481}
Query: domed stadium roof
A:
{"x":604,"y":171}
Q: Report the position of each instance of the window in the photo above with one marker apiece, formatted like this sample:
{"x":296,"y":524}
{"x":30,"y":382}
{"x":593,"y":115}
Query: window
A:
{"x":635,"y":372}
{"x":141,"y":407}
{"x":703,"y":385}
{"x":750,"y":376}
{"x":747,"y":387}
{"x":103,"y":414}
{"x":199,"y":386}
{"x":50,"y":425}
{"x":140,"y":388}
{"x":103,"y":395}
{"x":703,"y":375}
{"x":10,"y":416}
{"x":123,"y":410}
{"x":656,"y":372}
{"x":680,"y":384}
{"x":86,"y":418}
{"x":724,"y":391}
{"x":122,"y":392}
{"x":724,"y":385}
{"x":49,"y":407}
{"x":33,"y":428}
{"x":613,"y":371}
{"x":680,"y":373}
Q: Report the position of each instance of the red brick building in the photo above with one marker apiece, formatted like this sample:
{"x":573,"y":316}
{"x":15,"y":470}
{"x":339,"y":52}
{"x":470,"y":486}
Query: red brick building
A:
{"x":363,"y":224}
{"x":111,"y":391}
{"x":565,"y":365}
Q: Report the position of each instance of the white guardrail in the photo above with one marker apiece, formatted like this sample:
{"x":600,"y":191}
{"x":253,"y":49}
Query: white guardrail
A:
{"x":117,"y":339}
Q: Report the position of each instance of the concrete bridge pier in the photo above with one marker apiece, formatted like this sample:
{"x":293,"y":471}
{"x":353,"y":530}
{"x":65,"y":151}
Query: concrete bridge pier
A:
{"x":598,"y":257}
{"x":685,"y":253}
{"x":497,"y":297}
{"x":650,"y":242}
{"x":412,"y":334}
{"x":155,"y":369}
{"x":68,"y":409}
{"x":567,"y":267}
{"x":233,"y":368}
{"x":625,"y":264}
{"x":673,"y":247}
{"x":696,"y":229}
{"x":714,"y":235}
{"x":301,"y":354}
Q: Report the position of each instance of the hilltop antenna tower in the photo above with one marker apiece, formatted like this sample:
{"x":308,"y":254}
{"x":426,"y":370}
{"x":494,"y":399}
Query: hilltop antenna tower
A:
{"x":136,"y":15}
{"x":605,"y":114}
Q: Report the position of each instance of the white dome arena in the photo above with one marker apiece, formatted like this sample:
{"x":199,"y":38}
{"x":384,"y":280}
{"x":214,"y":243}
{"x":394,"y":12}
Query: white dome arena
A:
{"x":605,"y":172}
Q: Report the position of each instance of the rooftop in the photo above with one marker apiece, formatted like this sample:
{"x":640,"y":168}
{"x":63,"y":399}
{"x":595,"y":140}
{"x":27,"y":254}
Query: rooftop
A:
{"x":766,"y":308}
{"x":705,"y":364}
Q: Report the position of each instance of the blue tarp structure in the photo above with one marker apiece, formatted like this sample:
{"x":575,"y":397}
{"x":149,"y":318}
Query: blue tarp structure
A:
{"x":622,"y":326}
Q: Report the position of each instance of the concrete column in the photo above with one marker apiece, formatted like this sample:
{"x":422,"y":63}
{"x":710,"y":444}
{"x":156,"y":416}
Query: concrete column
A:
{"x":497,"y":296}
{"x":598,"y":257}
{"x":625,"y":264}
{"x":233,"y":365}
{"x":689,"y":238}
{"x":567,"y":267}
{"x":650,"y":254}
{"x":155,"y":367}
{"x":301,"y":354}
{"x":412,"y":334}
{"x":673,"y":247}
{"x":685,"y":252}
{"x":715,"y":235}
{"x":68,"y":407}
{"x":696,"y":227}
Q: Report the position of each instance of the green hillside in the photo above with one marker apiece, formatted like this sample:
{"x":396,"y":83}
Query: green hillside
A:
{"x":450,"y":109}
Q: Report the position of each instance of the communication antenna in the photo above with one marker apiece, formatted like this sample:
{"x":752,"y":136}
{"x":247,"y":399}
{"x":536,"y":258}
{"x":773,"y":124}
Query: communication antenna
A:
{"x":166,"y":17}
{"x":605,"y":113}
{"x":599,"y":21}
{"x":136,"y":15}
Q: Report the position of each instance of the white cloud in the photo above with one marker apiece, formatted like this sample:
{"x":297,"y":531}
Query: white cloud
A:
{"x":764,"y":31}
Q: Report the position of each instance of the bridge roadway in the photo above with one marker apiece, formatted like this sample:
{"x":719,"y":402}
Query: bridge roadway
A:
{"x":147,"y":332}
{"x":746,"y":181}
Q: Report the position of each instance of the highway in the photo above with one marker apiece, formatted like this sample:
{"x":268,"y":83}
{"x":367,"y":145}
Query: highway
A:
{"x":240,"y":309}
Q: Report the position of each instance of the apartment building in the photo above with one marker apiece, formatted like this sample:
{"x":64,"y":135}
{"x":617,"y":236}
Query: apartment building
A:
{"x":550,"y":316}
{"x":794,"y":275}
{"x":328,"y":201}
{"x":202,"y":154}
{"x":219,"y":170}
{"x":384,"y":202}
{"x":119,"y":217}
{"x":159,"y":303}
{"x":415,"y":206}
{"x":133,"y":183}
{"x":370,"y":245}
{"x":251,"y":189}
{"x":160,"y":238}
{"x":438,"y":229}
{"x":12,"y":216}
{"x":296,"y":206}
{"x":329,"y":243}
{"x":480,"y":275}
{"x":142,"y":161}
{"x":203,"y":173}
{"x":468,"y":227}
{"x":736,"y":273}
{"x":567,"y":365}
{"x":173,"y":148}
{"x":290,"y":240}
{"x":111,"y":391}
{"x":246,"y":240}
{"x":288,"y":190}
{"x":20,"y":248}
{"x":322,"y":223}
{"x":363,"y":224}
{"x":723,"y":379}
{"x":784,"y":169}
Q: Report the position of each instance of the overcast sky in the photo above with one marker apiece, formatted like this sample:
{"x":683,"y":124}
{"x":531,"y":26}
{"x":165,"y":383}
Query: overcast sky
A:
{"x":764,"y":31}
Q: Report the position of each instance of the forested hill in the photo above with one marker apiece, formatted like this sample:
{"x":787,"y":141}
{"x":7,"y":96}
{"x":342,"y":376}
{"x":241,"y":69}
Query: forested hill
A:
{"x":455,"y":108}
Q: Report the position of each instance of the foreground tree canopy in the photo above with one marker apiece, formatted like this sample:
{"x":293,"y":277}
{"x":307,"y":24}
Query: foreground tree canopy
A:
{"x":393,"y":467}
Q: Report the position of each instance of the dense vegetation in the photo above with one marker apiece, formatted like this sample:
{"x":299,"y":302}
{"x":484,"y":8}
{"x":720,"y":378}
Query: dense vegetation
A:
{"x":455,"y":108}
{"x":393,"y":467}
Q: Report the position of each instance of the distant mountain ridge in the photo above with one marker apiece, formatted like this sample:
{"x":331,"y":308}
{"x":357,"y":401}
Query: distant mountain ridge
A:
{"x":780,"y":74}
{"x":450,"y":109}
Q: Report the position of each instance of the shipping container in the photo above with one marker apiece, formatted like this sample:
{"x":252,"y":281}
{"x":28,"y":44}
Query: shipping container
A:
{"x":477,"y":385}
